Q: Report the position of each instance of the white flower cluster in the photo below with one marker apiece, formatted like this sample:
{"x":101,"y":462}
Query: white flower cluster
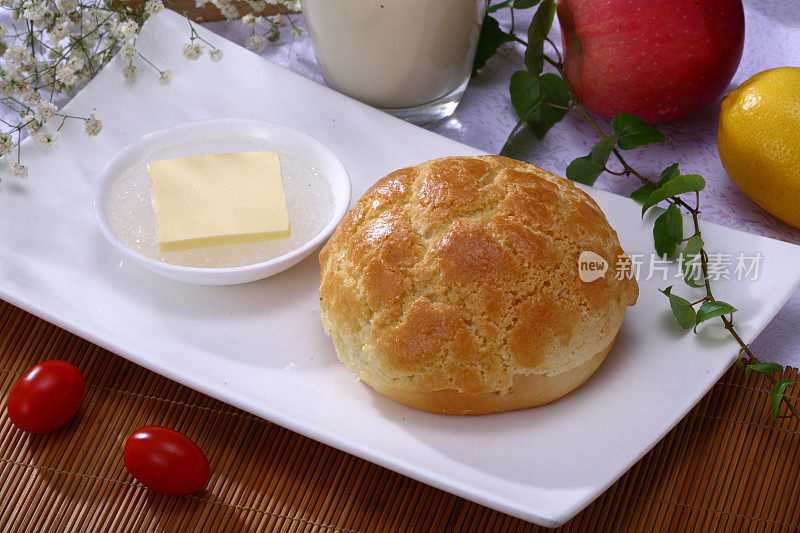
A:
{"x":289,"y":5}
{"x":256,"y":40}
{"x":153,"y":6}
{"x":54,"y":46}
{"x":92,"y":126}
{"x":226,"y":7}
{"x":125,"y":31}
{"x":192,"y":51}
{"x":129,"y":73}
{"x":46,"y":140}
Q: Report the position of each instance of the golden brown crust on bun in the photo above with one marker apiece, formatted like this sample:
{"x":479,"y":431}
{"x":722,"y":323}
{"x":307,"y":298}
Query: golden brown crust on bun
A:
{"x":458,"y":278}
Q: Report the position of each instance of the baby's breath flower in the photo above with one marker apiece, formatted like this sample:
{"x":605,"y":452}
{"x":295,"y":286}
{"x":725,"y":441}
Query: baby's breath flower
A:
{"x":250,"y":20}
{"x":76,"y":38}
{"x":92,"y":39}
{"x":45,"y":112}
{"x":46,"y":140}
{"x":59,"y":31}
{"x":129,"y":73}
{"x":47,"y":77}
{"x":75,"y":63}
{"x":32,"y":98}
{"x":18,"y":169}
{"x":34,"y":11}
{"x":65,"y":6}
{"x":153,"y":6}
{"x":10,"y":72}
{"x":66,"y":75}
{"x":18,"y":53}
{"x":297,"y":31}
{"x":255,"y":42}
{"x":228,"y":10}
{"x":92,"y":126}
{"x":54,"y":52}
{"x":127,"y":52}
{"x":46,"y":20}
{"x":24,"y":87}
{"x":6,"y":143}
{"x":192,"y":51}
{"x":7,"y":88}
{"x":30,"y":123}
{"x":106,"y":43}
{"x":292,"y":6}
{"x":125,"y":31}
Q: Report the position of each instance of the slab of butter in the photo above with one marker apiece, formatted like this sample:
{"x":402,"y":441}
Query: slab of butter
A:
{"x":219,"y":199}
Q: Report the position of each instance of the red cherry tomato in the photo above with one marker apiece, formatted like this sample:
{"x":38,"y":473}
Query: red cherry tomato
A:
{"x":166,"y":461}
{"x":46,"y":397}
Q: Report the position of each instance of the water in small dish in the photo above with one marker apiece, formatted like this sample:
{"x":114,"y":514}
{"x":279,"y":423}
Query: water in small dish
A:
{"x":309,"y":202}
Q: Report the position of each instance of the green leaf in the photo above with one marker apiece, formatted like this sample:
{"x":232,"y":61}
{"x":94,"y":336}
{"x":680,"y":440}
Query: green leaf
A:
{"x":668,"y":231}
{"x":675,"y":226}
{"x":776,"y":394}
{"x":681,"y":308}
{"x":739,"y":363}
{"x":492,"y":38}
{"x":668,"y":173}
{"x":643,"y":193}
{"x":531,"y":98}
{"x":693,"y":247}
{"x":634,"y":132}
{"x":711,"y":309}
{"x":673,"y":187}
{"x":515,"y":4}
{"x":586,"y":169}
{"x":537,"y":33}
{"x":498,"y":7}
{"x":764,"y":368}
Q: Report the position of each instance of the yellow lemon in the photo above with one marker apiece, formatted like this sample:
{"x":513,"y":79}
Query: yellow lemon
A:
{"x":759,"y":141}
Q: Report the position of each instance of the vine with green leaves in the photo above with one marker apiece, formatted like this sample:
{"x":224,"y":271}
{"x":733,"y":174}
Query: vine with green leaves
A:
{"x":541,"y":99}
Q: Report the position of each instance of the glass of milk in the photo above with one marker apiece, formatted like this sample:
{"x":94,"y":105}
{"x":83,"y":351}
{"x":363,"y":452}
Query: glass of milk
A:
{"x":411,"y":58}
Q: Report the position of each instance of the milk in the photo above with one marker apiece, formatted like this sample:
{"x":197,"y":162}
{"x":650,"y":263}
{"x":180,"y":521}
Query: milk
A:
{"x":395,"y":53}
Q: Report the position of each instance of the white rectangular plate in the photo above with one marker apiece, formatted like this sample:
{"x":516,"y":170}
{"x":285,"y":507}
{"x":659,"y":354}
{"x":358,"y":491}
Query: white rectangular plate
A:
{"x":261,"y":347}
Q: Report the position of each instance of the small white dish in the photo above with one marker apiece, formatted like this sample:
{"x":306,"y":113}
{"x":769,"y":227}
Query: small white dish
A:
{"x":219,"y":135}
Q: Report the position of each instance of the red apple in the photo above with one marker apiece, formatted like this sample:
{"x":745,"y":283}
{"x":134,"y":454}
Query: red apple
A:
{"x":658,"y":59}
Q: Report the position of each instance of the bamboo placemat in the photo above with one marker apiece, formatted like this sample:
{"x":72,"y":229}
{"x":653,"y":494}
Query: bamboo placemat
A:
{"x":726,"y":466}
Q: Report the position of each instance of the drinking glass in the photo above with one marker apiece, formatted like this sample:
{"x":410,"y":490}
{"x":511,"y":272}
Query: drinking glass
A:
{"x":411,"y":58}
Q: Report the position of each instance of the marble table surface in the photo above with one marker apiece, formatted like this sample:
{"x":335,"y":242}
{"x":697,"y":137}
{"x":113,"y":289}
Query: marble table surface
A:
{"x":485,"y":117}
